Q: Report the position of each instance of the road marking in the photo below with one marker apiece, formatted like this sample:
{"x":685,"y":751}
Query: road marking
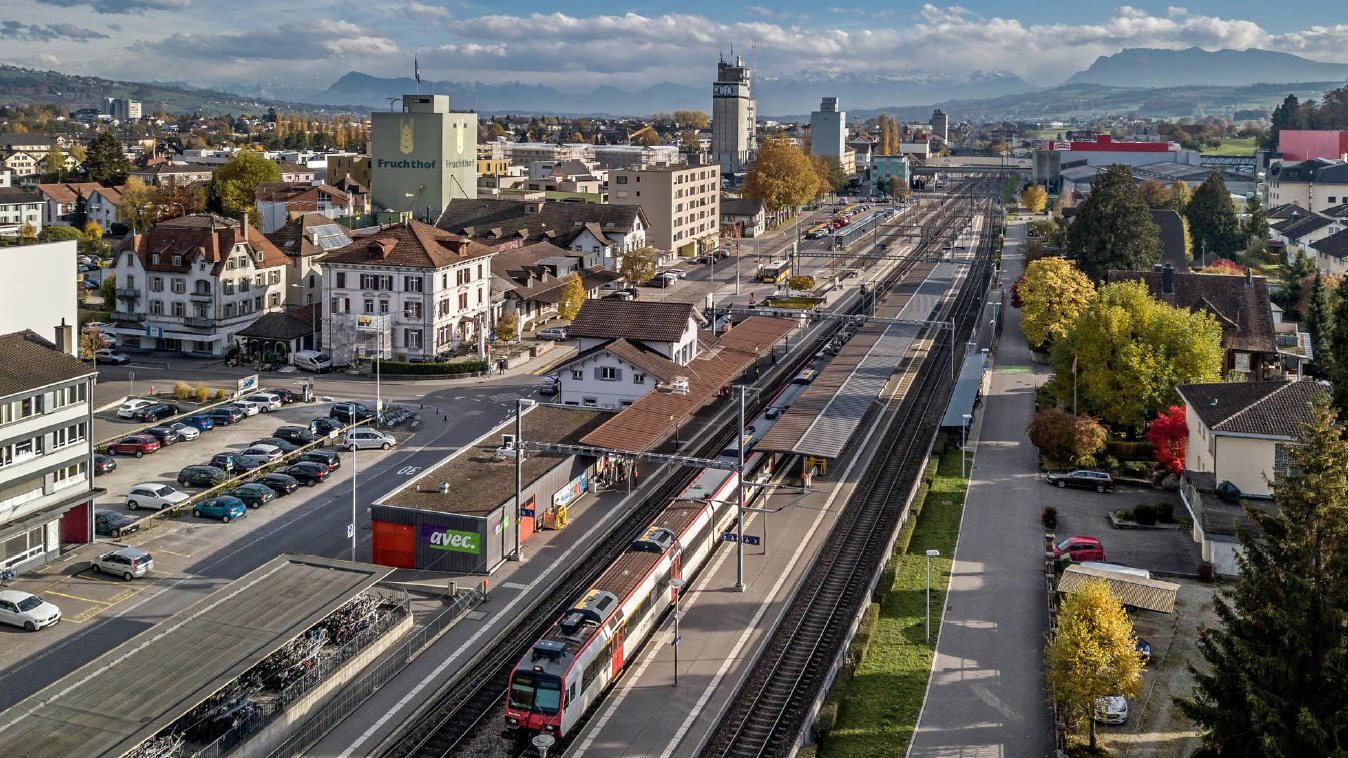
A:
{"x":82,"y":599}
{"x":408,"y":470}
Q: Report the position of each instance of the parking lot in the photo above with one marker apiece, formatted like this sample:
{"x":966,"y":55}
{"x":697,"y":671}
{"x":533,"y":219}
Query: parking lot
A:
{"x":1167,"y":549}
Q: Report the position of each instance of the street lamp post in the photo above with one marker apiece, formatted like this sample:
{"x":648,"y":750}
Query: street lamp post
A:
{"x":930,"y":554}
{"x":964,"y":443}
{"x":677,"y":585}
{"x":351,"y":528}
{"x":520,"y":405}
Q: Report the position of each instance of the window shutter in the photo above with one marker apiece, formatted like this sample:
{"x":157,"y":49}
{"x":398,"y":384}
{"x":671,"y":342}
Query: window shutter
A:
{"x":617,"y":375}
{"x":598,"y":373}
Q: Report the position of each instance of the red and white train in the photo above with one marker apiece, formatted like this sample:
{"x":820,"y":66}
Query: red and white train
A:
{"x":566,"y":672}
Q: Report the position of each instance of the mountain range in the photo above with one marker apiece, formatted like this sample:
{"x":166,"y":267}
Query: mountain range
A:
{"x":1151,"y":67}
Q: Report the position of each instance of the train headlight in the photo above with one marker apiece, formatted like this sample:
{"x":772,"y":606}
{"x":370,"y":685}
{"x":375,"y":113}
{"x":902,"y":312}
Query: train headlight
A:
{"x":512,"y":721}
{"x":549,"y":728}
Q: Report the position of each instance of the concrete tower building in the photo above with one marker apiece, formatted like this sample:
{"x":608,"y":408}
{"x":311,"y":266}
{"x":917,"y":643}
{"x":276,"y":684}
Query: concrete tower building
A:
{"x":828,"y":129}
{"x":733,"y":113}
{"x":940,"y":125}
{"x":422,"y":157}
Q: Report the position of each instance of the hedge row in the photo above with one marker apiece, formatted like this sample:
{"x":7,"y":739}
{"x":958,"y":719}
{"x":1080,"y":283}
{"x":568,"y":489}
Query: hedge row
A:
{"x":439,"y":369}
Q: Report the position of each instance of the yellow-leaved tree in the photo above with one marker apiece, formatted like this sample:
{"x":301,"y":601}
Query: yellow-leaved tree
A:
{"x":1094,"y":654}
{"x":1034,"y":198}
{"x":1052,"y":294}
{"x":782,"y":176}
{"x":573,"y":296}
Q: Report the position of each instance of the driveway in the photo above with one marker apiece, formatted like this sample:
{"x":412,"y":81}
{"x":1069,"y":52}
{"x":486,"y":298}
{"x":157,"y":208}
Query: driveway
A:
{"x":1165,"y":549}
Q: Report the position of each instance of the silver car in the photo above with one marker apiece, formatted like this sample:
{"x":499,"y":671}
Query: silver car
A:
{"x":128,"y":563}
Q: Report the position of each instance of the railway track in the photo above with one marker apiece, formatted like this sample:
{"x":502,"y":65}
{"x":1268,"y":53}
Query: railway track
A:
{"x":464,"y":710}
{"x":765,"y":717}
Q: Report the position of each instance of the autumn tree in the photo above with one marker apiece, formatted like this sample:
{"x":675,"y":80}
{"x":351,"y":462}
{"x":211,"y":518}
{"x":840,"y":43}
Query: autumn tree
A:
{"x":108,"y":290}
{"x":692,"y":119}
{"x":637,"y":266}
{"x":1034,"y":198}
{"x":1130,"y":351}
{"x":54,"y":165}
{"x":239,"y":178}
{"x":1094,"y":653}
{"x":1276,"y":673}
{"x":1168,"y":433}
{"x":800,"y":283}
{"x":573,"y":296}
{"x":507,"y":327}
{"x":1154,"y":194}
{"x":1212,"y":219}
{"x":1061,"y":437}
{"x":105,"y":162}
{"x":1180,"y":194}
{"x":782,"y":176}
{"x":136,"y":206}
{"x":1113,"y":228}
{"x":688,"y":142}
{"x":1053,"y":292}
{"x":1333,"y":362}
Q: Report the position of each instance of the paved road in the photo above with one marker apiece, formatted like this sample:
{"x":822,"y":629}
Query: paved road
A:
{"x":987,"y":694}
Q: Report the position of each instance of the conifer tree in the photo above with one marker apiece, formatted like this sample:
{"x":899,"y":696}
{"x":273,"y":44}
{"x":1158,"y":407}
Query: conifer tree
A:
{"x":1113,"y":228}
{"x":1212,"y":219}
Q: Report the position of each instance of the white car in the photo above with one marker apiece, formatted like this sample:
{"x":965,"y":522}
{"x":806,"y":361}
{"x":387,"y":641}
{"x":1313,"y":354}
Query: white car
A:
{"x":108,"y":355}
{"x":187,"y":431}
{"x":152,"y":495}
{"x":27,"y":610}
{"x":248,"y":407}
{"x":364,"y":439}
{"x":266,"y":401}
{"x":96,"y":326}
{"x":1111,"y":710}
{"x":679,"y":272}
{"x":261,"y":454}
{"x":131,"y":407}
{"x":552,"y":333}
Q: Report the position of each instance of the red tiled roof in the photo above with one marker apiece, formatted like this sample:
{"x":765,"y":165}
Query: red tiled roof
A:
{"x":656,"y":321}
{"x":412,"y":244}
{"x":67,"y":192}
{"x":199,"y":237}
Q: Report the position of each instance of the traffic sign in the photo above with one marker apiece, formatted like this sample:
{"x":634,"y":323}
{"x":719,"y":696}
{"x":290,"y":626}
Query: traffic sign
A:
{"x":350,"y":531}
{"x":677,"y":640}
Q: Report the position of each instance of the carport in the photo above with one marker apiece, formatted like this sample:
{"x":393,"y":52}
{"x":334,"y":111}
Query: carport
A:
{"x":1133,"y":591}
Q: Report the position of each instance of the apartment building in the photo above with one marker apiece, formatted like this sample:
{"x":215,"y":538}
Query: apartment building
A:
{"x":46,"y":461}
{"x":354,"y":165}
{"x":190,"y":284}
{"x":682,"y":203}
{"x":19,"y":208}
{"x":121,"y":109}
{"x":41,"y":292}
{"x":410,"y":291}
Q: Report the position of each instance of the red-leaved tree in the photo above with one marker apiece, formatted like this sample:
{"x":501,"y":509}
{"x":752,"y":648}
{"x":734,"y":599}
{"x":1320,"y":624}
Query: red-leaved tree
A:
{"x":1015,"y":292}
{"x":1168,"y":433}
{"x":1065,"y":438}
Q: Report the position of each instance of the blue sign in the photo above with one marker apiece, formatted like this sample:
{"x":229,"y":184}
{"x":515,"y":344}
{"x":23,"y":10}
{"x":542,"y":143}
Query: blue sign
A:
{"x":729,"y":537}
{"x":526,"y":511}
{"x":750,"y":539}
{"x":677,"y":640}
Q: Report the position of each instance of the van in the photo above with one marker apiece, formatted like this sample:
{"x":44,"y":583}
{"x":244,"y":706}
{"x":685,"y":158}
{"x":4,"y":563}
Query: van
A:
{"x":362,"y":439}
{"x":267,"y":400}
{"x":312,"y":360}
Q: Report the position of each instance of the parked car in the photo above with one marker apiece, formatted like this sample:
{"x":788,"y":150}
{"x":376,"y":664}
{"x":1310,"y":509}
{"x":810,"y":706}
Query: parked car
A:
{"x":253,"y":495}
{"x":186,"y":431}
{"x":200,"y":421}
{"x":137,"y":445}
{"x":224,"y":415}
{"x":1111,"y":710}
{"x":1144,"y":650}
{"x":281,"y":484}
{"x":151,"y":495}
{"x":1079,"y":549}
{"x":266,"y":401}
{"x":95,"y":326}
{"x":676,"y":272}
{"x":366,"y":439}
{"x":232,"y":463}
{"x":260,"y":455}
{"x":296,"y":435}
{"x":27,"y":610}
{"x":551,"y":385}
{"x":552,"y":333}
{"x":128,"y":563}
{"x":312,"y":360}
{"x":202,"y":476}
{"x":246,"y":407}
{"x":286,"y":446}
{"x":156,"y":412}
{"x":326,"y":426}
{"x":620,"y":295}
{"x":130,"y":408}
{"x":1082,"y":477}
{"x":308,"y":473}
{"x":286,"y":396}
{"x":225,"y":508}
{"x":328,"y":458}
{"x":103,"y":464}
{"x":113,"y":524}
{"x":350,"y":413}
{"x":112,"y":357}
{"x":166,"y":435}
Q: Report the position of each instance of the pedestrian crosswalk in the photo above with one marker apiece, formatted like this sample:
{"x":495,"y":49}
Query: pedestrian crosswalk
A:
{"x":504,"y":397}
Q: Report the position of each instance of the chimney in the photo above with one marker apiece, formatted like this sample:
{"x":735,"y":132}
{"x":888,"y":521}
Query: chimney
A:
{"x":382,"y":248}
{"x":65,"y":338}
{"x":1167,"y":279}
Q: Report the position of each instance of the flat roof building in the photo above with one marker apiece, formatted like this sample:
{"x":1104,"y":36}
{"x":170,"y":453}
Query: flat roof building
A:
{"x":682,"y":203}
{"x":828,"y":129}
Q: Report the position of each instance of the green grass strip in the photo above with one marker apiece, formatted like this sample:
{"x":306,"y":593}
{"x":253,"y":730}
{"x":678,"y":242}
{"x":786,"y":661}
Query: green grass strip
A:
{"x":877,"y":708}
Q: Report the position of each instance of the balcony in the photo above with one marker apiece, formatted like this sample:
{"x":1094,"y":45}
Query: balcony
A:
{"x":128,"y":318}
{"x":131,"y":292}
{"x":199,"y":322}
{"x":202,"y":296}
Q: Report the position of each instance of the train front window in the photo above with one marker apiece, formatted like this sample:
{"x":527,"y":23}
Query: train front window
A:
{"x":548,"y":698}
{"x":522,"y":692}
{"x":538,"y":694}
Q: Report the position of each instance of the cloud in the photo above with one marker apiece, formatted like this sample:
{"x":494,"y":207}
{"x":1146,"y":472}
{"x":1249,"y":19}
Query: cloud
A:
{"x":14,"y":30}
{"x":323,"y":40}
{"x":422,"y":12}
{"x":123,"y":6}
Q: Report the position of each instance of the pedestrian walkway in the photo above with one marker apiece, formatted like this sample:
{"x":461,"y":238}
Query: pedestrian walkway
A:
{"x":986,"y":695}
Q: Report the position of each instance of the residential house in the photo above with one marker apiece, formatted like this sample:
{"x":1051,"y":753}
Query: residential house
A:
{"x":25,"y":167}
{"x":295,"y":173}
{"x":305,"y":240}
{"x":409,"y":290}
{"x":1314,"y":184}
{"x":1242,"y":433}
{"x":101,"y":207}
{"x":1240,"y":304}
{"x":46,"y":426}
{"x":19,"y":208}
{"x":190,"y":284}
{"x":36,"y":145}
{"x":359,"y":193}
{"x":889,"y":168}
{"x":1300,"y":232}
{"x":530,"y":280}
{"x":172,"y":174}
{"x":608,"y":230}
{"x":744,"y":216}
{"x":278,"y":202}
{"x":353,"y":165}
{"x":61,"y":200}
{"x":626,"y":349}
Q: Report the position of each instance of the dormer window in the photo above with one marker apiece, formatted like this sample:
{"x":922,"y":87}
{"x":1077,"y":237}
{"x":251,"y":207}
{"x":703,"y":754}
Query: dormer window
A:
{"x":177,"y":260}
{"x":154,"y":259}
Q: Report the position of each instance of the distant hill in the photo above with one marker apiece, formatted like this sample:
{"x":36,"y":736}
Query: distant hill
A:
{"x":20,"y":86}
{"x":1151,"y":67}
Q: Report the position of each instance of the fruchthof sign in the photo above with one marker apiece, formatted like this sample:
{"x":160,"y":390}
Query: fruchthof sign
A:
{"x":440,"y":538}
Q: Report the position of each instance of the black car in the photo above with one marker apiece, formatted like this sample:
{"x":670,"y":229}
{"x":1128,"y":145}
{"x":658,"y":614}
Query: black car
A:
{"x":325,"y":426}
{"x":113,"y":524}
{"x":202,"y":476}
{"x":296,"y":435}
{"x":308,"y":473}
{"x":287,"y":397}
{"x":328,"y":458}
{"x":103,"y":464}
{"x":232,"y":463}
{"x":156,"y":412}
{"x":286,"y":445}
{"x":350,"y":413}
{"x":223,"y":416}
{"x":281,"y":484}
{"x":165,"y":435}
{"x":1085,"y":478}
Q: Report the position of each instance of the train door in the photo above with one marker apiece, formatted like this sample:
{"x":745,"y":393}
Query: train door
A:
{"x":618,"y":636}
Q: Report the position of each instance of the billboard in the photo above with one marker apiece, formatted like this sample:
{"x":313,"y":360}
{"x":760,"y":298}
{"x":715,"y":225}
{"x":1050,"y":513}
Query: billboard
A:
{"x":443,"y":538}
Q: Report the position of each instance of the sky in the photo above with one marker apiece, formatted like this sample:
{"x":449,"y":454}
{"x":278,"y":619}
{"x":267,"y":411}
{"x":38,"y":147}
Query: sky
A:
{"x":578,"y":45}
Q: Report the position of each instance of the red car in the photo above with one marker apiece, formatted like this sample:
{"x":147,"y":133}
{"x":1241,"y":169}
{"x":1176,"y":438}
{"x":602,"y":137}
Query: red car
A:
{"x":137,"y":445}
{"x":1079,"y":549}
